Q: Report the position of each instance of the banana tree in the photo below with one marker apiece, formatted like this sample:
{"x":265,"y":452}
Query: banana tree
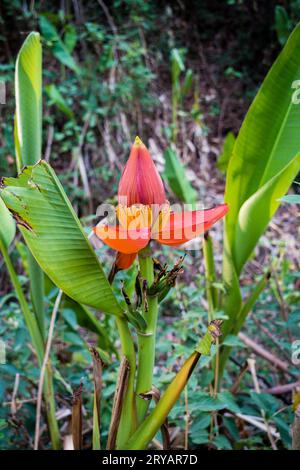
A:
{"x":59,"y":244}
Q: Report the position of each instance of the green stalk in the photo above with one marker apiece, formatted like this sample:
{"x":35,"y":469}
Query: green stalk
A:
{"x":250,"y":302}
{"x":210,"y":276}
{"x":37,"y":290}
{"x":212,"y":298}
{"x":174,"y":114}
{"x":96,"y":430}
{"x":146,"y":341}
{"x":241,"y":317}
{"x":128,"y":415}
{"x":38,"y":345}
{"x":50,"y":407}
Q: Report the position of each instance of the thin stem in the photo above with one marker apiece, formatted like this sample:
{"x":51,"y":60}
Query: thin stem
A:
{"x":38,"y":345}
{"x":212,"y":297}
{"x":128,"y":415}
{"x":241,"y":317}
{"x":146,"y":341}
{"x":251,"y":363}
{"x":37,"y":289}
{"x":217,"y":368}
{"x":186,"y":431}
{"x":210,"y":276}
{"x":43,"y":370}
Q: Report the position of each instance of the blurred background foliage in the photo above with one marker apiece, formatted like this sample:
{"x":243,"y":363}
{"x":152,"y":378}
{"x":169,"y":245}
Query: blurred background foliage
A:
{"x":109,"y":74}
{"x":180,"y":73}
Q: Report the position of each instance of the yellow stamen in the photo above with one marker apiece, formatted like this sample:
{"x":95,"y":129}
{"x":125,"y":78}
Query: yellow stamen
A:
{"x":134,"y":217}
{"x":162,"y":219}
{"x":137,"y":141}
{"x":139,"y":216}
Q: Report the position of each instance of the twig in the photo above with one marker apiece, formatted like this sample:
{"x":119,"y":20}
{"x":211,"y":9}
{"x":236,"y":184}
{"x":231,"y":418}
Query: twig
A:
{"x":251,"y":363}
{"x":217,"y":368}
{"x":19,"y":402}
{"x":280,"y":389}
{"x":13,"y":407}
{"x":238,"y":380}
{"x":186,"y":431}
{"x":108,"y":17}
{"x":43,"y":370}
{"x":271,"y":336}
{"x":255,"y":421}
{"x":260,"y":351}
{"x":49,"y":143}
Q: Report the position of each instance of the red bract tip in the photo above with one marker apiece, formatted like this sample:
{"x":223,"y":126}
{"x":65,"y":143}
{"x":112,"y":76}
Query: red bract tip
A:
{"x":140,"y":182}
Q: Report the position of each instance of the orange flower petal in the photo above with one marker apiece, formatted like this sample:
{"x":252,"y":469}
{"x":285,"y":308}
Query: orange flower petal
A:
{"x":120,"y":239}
{"x":140,"y":182}
{"x":124,"y":261}
{"x":185,"y":226}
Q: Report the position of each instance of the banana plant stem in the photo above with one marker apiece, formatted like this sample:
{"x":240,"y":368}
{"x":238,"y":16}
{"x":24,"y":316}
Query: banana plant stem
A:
{"x":38,"y":344}
{"x":146,"y":340}
{"x":210,"y":276}
{"x":212,"y":297}
{"x":37,"y":290}
{"x":128,"y":415}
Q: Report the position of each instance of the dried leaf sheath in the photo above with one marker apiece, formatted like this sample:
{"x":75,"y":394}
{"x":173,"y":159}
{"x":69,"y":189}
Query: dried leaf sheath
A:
{"x":77,"y":418}
{"x":155,"y":393}
{"x":121,"y":388}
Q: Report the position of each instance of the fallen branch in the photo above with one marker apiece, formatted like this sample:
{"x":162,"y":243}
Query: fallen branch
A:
{"x":265,"y":354}
{"x":280,"y":389}
{"x":257,"y":422}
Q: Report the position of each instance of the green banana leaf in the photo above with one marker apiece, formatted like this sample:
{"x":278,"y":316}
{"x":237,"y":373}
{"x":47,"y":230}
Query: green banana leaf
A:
{"x":264,"y":162}
{"x":7,"y":225}
{"x":28,"y":86}
{"x":224,"y":157}
{"x":28,"y":140}
{"x":56,"y":238}
{"x":255,"y":213}
{"x":267,"y":143}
